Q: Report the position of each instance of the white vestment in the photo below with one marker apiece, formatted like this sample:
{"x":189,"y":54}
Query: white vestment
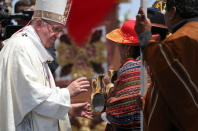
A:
{"x":29,"y":99}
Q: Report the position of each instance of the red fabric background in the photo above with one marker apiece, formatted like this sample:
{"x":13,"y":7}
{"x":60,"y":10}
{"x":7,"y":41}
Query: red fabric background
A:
{"x":86,"y":14}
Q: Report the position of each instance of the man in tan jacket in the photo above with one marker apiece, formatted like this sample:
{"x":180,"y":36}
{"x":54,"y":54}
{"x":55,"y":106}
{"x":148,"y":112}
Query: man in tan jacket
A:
{"x":171,"y":104}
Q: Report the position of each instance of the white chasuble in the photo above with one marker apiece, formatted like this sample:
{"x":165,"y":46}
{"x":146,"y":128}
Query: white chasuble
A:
{"x":29,"y":99}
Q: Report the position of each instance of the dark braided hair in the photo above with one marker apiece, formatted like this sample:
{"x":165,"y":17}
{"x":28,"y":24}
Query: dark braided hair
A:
{"x":185,"y":8}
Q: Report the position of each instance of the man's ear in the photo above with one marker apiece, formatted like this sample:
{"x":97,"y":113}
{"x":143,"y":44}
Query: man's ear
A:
{"x":173,"y":13}
{"x":38,"y":24}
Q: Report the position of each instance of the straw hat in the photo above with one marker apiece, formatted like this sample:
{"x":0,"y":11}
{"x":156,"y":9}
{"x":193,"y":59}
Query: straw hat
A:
{"x":54,"y":10}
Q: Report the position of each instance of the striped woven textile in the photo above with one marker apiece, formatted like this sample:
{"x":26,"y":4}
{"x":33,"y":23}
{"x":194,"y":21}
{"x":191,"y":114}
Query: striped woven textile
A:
{"x":122,"y":108}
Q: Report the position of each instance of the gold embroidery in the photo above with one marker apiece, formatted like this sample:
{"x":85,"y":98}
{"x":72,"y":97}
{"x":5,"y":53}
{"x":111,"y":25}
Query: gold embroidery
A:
{"x":50,"y":16}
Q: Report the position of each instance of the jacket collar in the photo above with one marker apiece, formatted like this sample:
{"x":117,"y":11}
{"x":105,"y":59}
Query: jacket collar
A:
{"x":183,"y":22}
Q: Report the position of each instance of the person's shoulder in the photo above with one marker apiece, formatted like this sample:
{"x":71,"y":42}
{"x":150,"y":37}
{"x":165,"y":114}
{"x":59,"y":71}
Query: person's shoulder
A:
{"x":182,"y":35}
{"x":21,"y":40}
{"x":18,"y":43}
{"x":22,"y":36}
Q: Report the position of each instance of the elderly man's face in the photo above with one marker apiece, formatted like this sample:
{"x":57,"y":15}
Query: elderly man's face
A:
{"x":49,"y":32}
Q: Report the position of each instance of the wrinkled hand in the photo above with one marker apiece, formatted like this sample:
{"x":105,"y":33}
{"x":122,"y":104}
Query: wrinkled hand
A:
{"x":81,"y":110}
{"x":142,"y":23}
{"x":78,"y":86}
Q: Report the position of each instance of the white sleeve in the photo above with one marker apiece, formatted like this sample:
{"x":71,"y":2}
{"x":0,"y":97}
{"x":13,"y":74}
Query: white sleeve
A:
{"x":56,"y":105}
